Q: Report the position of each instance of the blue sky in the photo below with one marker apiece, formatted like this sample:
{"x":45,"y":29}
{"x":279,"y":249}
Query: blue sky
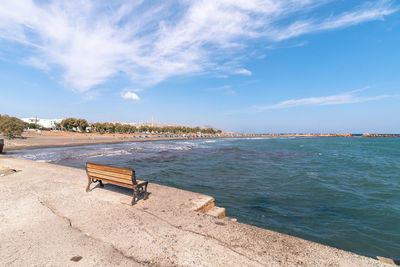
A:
{"x":247,"y":66}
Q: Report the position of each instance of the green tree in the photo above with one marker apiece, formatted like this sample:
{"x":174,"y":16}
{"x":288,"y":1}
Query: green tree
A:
{"x":82,"y":124}
{"x":97,"y":127}
{"x":11,"y":126}
{"x":57,"y":126}
{"x":109,"y":127}
{"x":143,"y":129}
{"x":69,"y":123}
{"x":118,"y":128}
{"x":72,"y":124}
{"x":31,"y":125}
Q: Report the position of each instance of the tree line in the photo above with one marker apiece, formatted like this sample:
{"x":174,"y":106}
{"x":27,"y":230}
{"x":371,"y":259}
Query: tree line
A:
{"x":12,"y":126}
{"x":81,"y":125}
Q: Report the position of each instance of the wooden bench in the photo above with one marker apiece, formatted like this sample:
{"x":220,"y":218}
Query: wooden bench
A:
{"x":116,"y":175}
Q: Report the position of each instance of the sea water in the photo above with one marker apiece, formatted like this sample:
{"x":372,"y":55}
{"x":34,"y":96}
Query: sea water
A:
{"x":342,"y":192}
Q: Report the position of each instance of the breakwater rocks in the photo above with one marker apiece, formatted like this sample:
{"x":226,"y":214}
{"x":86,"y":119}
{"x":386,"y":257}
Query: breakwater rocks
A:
{"x":331,"y":135}
{"x":312,"y":135}
{"x":380,"y":135}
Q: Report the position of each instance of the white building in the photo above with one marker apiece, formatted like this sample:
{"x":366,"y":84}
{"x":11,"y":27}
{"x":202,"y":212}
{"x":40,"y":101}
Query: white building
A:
{"x":46,"y":123}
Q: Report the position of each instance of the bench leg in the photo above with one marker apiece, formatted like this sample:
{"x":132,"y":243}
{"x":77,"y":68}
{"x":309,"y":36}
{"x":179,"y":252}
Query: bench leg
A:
{"x":134,"y":196}
{"x":88,"y":186}
{"x":146,"y":194}
{"x":101,"y":184}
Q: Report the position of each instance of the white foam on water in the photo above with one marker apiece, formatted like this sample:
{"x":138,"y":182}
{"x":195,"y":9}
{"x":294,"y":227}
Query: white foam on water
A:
{"x":43,"y":157}
{"x":182,"y":148}
{"x":312,"y":174}
{"x":174,"y":146}
{"x":59,"y":154}
{"x":117,"y":152}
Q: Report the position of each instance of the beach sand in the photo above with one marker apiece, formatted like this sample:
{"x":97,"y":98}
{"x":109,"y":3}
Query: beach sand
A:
{"x":31,"y":140}
{"x":47,"y":219}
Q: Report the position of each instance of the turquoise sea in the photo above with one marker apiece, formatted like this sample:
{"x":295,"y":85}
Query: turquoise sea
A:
{"x":343,"y":192}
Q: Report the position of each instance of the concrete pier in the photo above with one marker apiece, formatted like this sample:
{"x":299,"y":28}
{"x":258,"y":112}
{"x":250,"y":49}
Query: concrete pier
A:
{"x":47,"y":218}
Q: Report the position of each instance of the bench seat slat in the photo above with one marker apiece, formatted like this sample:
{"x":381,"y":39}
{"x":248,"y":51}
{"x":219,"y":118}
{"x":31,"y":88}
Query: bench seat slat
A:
{"x":118,"y":182}
{"x":95,"y":172}
{"x":110,"y":178}
{"x":109,"y":168}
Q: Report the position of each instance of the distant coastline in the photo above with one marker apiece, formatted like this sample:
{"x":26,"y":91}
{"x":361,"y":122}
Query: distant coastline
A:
{"x":46,"y":139}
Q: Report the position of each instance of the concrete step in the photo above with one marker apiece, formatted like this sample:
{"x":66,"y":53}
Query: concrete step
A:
{"x":216,"y":212}
{"x":205,"y":205}
{"x":388,"y":260}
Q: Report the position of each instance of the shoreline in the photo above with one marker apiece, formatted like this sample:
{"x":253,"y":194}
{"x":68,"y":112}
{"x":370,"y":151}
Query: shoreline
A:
{"x":169,"y":220}
{"x":45,"y":140}
{"x":92,"y":144}
{"x":67,"y":139}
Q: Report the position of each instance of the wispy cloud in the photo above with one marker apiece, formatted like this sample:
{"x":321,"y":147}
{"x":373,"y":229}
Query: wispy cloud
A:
{"x":130,"y":95}
{"x":36,"y":63}
{"x":350,"y":97}
{"x":367,"y":12}
{"x":226,"y":90}
{"x":94,"y":41}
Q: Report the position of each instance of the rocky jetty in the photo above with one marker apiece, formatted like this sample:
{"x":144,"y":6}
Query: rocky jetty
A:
{"x":380,"y":135}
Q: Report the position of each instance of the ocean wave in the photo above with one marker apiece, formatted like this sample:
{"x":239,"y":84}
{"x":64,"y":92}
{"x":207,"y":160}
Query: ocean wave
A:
{"x":64,"y":155}
{"x":236,"y":150}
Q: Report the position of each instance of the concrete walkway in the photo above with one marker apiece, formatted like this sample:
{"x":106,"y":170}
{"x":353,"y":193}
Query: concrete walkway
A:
{"x":47,"y":219}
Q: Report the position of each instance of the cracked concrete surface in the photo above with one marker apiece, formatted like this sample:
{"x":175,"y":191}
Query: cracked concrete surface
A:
{"x":47,"y":218}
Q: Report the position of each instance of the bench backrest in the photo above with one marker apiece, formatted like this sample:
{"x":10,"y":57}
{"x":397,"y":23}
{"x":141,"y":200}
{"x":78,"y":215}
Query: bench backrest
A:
{"x":111,"y":173}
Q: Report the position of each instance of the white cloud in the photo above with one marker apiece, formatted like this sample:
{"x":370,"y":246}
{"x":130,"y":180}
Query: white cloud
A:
{"x":130,"y":95}
{"x":94,"y":41}
{"x":350,"y":97}
{"x":243,"y":71}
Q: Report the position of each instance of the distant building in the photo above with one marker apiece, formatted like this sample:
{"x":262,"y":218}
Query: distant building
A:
{"x":46,"y":123}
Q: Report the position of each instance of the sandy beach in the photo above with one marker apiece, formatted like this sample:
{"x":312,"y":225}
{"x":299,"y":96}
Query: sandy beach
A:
{"x":32,"y":140}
